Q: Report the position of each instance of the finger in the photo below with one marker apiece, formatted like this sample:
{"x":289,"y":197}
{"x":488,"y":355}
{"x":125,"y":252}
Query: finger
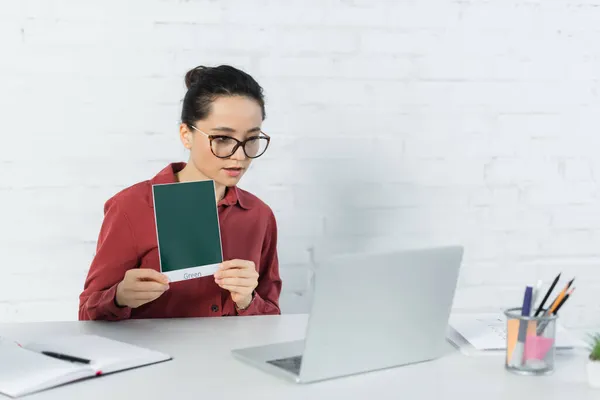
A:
{"x":236,"y":282}
{"x":148,"y":286}
{"x":238,"y":289}
{"x":236,"y":273}
{"x":236,"y":263}
{"x":149,"y":274}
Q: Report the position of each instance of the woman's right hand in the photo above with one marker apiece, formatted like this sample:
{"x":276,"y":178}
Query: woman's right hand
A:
{"x":140,"y":286}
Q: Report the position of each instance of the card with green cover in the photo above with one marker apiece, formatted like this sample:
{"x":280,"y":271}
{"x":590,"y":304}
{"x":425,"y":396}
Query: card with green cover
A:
{"x":187,"y":229}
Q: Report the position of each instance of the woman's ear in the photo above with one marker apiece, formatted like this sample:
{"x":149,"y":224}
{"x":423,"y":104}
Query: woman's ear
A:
{"x":185,"y":136}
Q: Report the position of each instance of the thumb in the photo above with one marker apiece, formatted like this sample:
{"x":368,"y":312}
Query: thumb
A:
{"x":151,"y":274}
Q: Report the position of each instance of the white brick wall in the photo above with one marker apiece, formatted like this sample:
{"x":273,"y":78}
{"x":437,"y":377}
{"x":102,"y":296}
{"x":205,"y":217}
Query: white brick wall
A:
{"x":393,"y":122}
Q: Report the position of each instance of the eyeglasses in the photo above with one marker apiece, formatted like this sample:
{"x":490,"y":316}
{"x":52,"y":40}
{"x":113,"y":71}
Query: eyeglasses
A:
{"x":225,"y":146}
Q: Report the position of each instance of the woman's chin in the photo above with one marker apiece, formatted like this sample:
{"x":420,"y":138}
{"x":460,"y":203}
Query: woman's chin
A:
{"x":227,"y":179}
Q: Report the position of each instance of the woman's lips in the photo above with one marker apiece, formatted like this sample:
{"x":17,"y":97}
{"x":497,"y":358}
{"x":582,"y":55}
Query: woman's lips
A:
{"x":233,"y":172}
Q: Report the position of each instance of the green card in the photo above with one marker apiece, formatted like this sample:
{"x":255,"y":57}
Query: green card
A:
{"x":187,"y":229}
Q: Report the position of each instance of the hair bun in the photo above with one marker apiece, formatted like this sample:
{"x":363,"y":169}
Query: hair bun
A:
{"x":194,"y":75}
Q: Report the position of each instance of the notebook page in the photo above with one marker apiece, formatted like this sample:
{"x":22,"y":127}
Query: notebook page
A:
{"x":105,"y":355}
{"x":23,"y":371}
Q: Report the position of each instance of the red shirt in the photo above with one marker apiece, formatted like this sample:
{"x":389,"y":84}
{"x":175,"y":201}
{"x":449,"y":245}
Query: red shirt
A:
{"x":128,"y":240}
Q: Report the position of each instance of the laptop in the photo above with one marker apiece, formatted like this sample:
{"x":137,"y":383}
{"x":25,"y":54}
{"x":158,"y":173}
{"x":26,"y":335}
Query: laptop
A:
{"x":369,"y":311}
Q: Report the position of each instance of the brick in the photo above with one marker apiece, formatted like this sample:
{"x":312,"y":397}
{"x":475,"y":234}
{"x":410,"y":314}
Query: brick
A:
{"x":487,"y":297}
{"x":293,"y":254}
{"x":322,"y":92}
{"x":408,"y":14}
{"x":61,"y":225}
{"x":584,"y":216}
{"x":67,"y":256}
{"x":349,"y":67}
{"x":534,"y":97}
{"x":392,"y":221}
{"x":578,"y":171}
{"x":184,"y":60}
{"x":400,"y":41}
{"x":566,"y":146}
{"x":329,"y":41}
{"x":523,"y":16}
{"x":295,"y":224}
{"x":29,"y":286}
{"x":309,"y":147}
{"x":432,"y":172}
{"x":502,"y":246}
{"x":389,"y":196}
{"x":507,"y":171}
{"x":530,"y":125}
{"x":559,"y":193}
{"x":511,"y":219}
{"x":495,"y":274}
{"x":97,"y":173}
{"x":571,"y":242}
{"x":120,"y":35}
{"x":118,"y":144}
{"x":507,"y":196}
{"x":244,"y":39}
{"x":11,"y":37}
{"x":205,"y":12}
{"x":45,"y":310}
{"x":274,"y":171}
{"x":72,"y":10}
{"x":279,"y":14}
{"x":11,"y":10}
{"x":279,"y":198}
{"x":577,"y":267}
{"x":294,"y":279}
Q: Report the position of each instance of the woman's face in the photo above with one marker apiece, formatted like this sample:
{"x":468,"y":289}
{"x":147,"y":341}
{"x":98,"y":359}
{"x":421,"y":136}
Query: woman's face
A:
{"x":232,"y":117}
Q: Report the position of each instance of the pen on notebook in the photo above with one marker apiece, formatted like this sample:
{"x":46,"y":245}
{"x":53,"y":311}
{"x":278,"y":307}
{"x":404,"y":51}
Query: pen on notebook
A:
{"x":541,"y":307}
{"x":517,"y":355}
{"x":66,"y":357}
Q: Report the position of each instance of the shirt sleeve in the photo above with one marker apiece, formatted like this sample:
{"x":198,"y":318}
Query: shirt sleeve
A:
{"x":266,"y":294}
{"x":115,"y":254}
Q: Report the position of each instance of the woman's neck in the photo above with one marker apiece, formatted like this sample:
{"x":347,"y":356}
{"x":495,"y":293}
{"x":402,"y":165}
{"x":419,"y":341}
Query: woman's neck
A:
{"x":190,"y":174}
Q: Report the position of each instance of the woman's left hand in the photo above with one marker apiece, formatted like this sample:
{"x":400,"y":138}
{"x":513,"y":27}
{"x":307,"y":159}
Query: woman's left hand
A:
{"x":240,"y":278}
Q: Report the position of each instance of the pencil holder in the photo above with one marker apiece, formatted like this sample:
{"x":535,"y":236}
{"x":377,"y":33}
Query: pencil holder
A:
{"x":530,"y":343}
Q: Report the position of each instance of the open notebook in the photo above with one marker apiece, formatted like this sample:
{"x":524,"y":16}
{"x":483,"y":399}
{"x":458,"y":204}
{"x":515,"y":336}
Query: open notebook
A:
{"x":485,"y":333}
{"x":53,"y":361}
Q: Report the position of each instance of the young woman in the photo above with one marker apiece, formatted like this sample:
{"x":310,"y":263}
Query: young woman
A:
{"x":222,"y":114}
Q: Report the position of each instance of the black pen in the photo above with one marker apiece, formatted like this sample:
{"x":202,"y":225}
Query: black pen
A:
{"x":66,"y":357}
{"x":541,"y":307}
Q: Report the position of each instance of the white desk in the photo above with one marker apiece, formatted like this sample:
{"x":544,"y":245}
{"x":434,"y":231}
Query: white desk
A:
{"x":203,"y":367}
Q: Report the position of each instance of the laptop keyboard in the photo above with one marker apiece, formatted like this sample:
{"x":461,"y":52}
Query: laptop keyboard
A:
{"x":291,"y":364}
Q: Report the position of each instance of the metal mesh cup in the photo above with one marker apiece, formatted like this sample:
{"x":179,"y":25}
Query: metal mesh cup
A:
{"x":530,"y":343}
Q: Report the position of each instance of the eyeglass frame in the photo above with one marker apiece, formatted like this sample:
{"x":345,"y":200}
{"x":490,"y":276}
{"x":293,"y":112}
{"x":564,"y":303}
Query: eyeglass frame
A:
{"x":237,"y":145}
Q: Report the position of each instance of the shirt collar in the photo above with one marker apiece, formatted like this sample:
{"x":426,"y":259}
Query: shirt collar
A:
{"x":233,"y":195}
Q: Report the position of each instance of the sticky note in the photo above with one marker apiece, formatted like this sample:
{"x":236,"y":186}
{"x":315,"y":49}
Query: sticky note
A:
{"x":512,"y":333}
{"x":536,"y":347}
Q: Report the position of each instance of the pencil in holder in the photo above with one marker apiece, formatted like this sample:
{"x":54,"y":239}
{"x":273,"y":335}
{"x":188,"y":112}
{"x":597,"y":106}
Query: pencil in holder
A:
{"x":530,"y":342}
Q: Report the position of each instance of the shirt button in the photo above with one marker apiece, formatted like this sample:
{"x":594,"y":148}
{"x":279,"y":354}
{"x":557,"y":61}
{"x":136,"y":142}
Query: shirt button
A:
{"x":214,"y":308}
